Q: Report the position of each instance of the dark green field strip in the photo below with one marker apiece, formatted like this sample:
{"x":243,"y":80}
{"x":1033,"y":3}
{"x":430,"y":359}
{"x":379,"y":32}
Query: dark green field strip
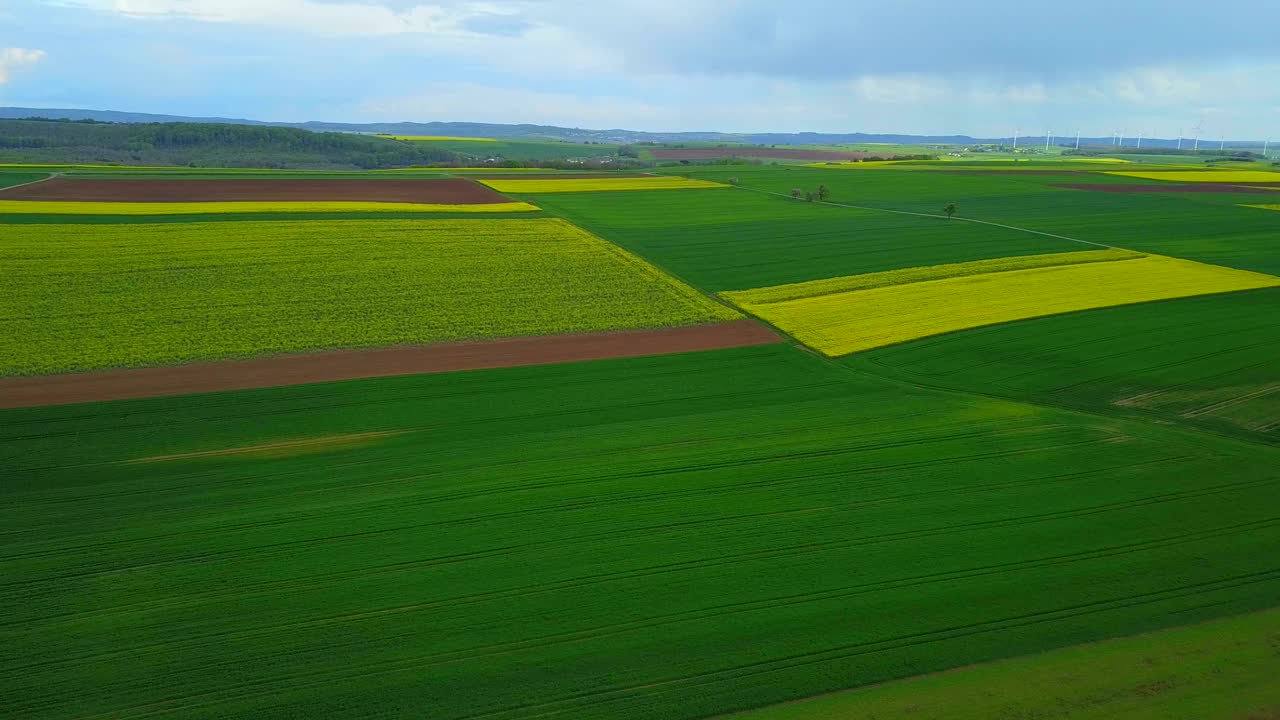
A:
{"x":1209,"y":361}
{"x":1197,"y":226}
{"x":23,"y":219}
{"x":9,"y":179}
{"x":733,"y":240}
{"x":667,"y":537}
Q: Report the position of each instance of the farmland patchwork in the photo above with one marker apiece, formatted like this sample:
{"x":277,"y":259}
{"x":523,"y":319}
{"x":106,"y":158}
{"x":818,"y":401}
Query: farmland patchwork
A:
{"x":130,"y":295}
{"x":847,"y":315}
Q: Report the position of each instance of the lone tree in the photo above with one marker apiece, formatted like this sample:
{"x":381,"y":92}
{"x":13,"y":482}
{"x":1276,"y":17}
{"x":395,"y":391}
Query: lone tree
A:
{"x":823,"y":192}
{"x":950,"y":210}
{"x":733,"y":181}
{"x":808,"y":195}
{"x":796,"y":193}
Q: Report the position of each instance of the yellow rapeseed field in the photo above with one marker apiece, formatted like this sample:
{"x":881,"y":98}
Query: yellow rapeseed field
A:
{"x":847,"y":283}
{"x":56,"y":207}
{"x":845,"y":322}
{"x":539,"y":185}
{"x":1264,"y":207}
{"x":1210,"y":176}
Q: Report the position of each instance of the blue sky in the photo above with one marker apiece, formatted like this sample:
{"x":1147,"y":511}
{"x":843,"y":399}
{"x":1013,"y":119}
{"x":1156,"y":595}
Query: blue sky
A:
{"x":914,"y":66}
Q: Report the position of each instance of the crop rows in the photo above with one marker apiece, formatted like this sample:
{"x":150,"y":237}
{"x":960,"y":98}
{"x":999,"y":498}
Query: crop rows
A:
{"x":840,"y":323}
{"x":1206,"y":361}
{"x":676,"y":536}
{"x":130,"y":295}
{"x":733,"y":240}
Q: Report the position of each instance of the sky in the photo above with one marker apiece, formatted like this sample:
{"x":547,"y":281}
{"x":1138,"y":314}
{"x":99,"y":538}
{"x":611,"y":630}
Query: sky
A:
{"x":986,"y":68}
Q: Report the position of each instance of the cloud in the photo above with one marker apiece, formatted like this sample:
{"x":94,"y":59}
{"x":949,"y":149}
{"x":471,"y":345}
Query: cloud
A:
{"x":329,"y":18}
{"x":13,"y":58}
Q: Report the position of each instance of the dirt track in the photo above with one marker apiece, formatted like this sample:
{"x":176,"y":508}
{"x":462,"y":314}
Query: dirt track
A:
{"x":1170,"y":188}
{"x":457,"y":191}
{"x":712,"y":153}
{"x":382,"y":362}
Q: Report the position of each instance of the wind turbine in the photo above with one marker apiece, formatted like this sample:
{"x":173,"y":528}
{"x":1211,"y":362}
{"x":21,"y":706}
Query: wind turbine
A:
{"x":1015,"y":138}
{"x":1078,"y":141}
{"x":1179,"y":138}
{"x":1139,"y":139}
{"x":1222,"y":143}
{"x":1122,"y":132}
{"x":1047,"y":135}
{"x":1196,"y":128}
{"x":1265,"y":144}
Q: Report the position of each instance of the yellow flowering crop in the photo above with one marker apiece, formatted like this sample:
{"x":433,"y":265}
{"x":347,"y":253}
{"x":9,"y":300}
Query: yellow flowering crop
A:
{"x":1264,"y":207}
{"x":80,"y":297}
{"x":851,"y":321}
{"x":539,"y":185}
{"x":827,"y":286}
{"x":58,"y":207}
{"x":1210,"y":176}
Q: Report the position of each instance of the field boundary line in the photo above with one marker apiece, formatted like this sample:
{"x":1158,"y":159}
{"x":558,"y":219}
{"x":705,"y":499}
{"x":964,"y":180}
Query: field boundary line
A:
{"x":944,"y":217}
{"x":46,"y":178}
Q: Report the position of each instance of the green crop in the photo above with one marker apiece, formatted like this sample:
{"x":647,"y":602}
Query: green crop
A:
{"x":96,"y":296}
{"x":666,"y":537}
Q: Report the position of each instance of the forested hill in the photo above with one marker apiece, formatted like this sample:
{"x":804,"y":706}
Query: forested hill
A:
{"x":204,"y":145}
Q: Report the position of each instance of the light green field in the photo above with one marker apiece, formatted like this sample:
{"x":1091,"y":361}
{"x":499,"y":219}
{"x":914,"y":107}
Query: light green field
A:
{"x":667,"y":537}
{"x":82,"y":297}
{"x":1220,"y":670}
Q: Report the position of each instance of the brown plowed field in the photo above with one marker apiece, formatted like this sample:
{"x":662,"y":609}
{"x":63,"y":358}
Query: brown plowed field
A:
{"x":381,"y":362}
{"x":453,"y":191}
{"x":712,"y":153}
{"x":1170,"y":188}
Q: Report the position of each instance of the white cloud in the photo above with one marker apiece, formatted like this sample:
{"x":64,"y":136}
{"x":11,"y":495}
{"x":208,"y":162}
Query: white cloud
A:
{"x":330,"y":18}
{"x":12,"y":58}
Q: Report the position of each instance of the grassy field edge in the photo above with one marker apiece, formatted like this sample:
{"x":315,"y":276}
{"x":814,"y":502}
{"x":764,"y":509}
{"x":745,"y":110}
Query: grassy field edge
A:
{"x":1218,"y":669}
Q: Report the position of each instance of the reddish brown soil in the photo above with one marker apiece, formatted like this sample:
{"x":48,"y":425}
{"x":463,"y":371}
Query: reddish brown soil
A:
{"x":712,"y":153}
{"x":382,"y":362}
{"x":1170,"y":188}
{"x":448,"y":191}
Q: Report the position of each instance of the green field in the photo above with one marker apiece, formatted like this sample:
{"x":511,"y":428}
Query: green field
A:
{"x":9,"y":179}
{"x":733,"y":240}
{"x":1205,"y":227}
{"x":684,"y":536}
{"x":83,"y":297}
{"x":1220,"y":670}
{"x":671,"y":537}
{"x":1208,"y":362}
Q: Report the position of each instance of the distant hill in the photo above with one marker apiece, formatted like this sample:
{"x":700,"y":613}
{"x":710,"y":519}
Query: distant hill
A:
{"x":500,"y":131}
{"x":205,"y":145}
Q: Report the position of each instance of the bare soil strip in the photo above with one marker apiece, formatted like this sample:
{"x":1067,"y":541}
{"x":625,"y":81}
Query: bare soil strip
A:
{"x":287,"y":448}
{"x":380,"y":362}
{"x":1169,"y":188}
{"x":712,"y":153}
{"x":450,"y":191}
